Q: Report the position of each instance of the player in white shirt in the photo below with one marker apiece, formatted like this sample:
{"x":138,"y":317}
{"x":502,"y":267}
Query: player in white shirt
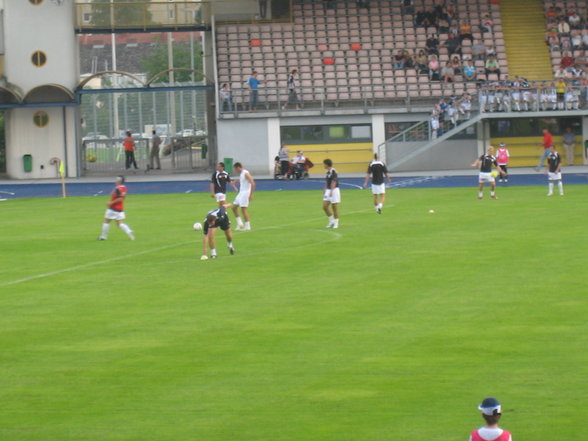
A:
{"x":434,"y":124}
{"x":452,"y":113}
{"x":544,"y":97}
{"x":491,"y":412}
{"x":571,"y":99}
{"x":246,"y":189}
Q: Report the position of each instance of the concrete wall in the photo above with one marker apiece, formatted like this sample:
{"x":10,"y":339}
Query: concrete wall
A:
{"x":247,"y":141}
{"x":448,"y":155}
{"x":43,"y":143}
{"x":45,"y":27}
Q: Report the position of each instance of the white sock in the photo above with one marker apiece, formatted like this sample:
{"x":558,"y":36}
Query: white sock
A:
{"x":127,"y":230}
{"x":491,"y":193}
{"x":550,"y":188}
{"x":560,"y":186}
{"x":105,"y":229}
{"x":336,"y":222}
{"x":380,"y":205}
{"x":239,"y":221}
{"x":331,"y":219}
{"x":213,"y":251}
{"x":480,"y":194}
{"x":247,"y":225}
{"x":229,"y":244}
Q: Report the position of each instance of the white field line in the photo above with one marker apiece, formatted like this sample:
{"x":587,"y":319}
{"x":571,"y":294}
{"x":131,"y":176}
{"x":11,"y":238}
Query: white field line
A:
{"x":154,"y":250}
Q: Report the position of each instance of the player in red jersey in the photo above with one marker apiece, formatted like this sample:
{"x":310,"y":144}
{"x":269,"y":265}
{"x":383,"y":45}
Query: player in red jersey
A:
{"x":115,"y":210}
{"x":491,"y":412}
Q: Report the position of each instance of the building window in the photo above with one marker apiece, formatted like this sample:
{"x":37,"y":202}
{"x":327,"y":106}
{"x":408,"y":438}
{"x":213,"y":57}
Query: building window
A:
{"x":41,"y":119}
{"x":39,"y":58}
{"x":36,"y":2}
{"x":87,"y":17}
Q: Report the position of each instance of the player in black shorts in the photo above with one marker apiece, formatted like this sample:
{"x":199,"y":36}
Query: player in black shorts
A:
{"x":216,"y":218}
{"x":218,"y":184}
{"x":486,"y":162}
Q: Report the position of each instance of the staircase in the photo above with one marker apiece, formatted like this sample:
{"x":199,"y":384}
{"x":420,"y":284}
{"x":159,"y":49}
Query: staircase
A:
{"x":523,"y":25}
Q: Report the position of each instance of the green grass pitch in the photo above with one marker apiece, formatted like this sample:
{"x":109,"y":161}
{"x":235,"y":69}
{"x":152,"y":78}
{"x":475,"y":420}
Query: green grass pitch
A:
{"x":393,"y":327}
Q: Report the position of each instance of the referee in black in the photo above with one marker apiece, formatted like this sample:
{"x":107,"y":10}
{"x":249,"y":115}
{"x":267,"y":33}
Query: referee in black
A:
{"x":379,"y":173}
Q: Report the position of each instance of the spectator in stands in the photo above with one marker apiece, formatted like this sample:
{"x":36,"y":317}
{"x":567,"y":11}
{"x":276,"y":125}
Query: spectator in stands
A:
{"x":432,"y":45}
{"x":447,"y":73}
{"x":262,"y":8}
{"x":576,"y":41}
{"x":465,"y":31}
{"x":560,"y":73}
{"x":490,"y":50}
{"x":563,"y":28}
{"x":454,"y":29}
{"x":469,"y":71}
{"x":434,"y":67}
{"x":363,"y":4}
{"x":585,"y":39}
{"x":226,"y":98}
{"x":443,"y":26}
{"x":292,"y":95}
{"x":329,"y":4}
{"x":253,"y":85}
{"x":456,"y":65}
{"x":422,"y":62}
{"x":408,"y":60}
{"x":407,"y":7}
{"x":577,"y":73}
{"x":553,"y":42}
{"x":566,"y":44}
{"x":398,"y":62}
{"x":478,"y":50}
{"x":567,"y":61}
{"x":551,"y":12}
{"x":492,"y":66}
{"x":419,"y":18}
{"x":487,"y":24}
{"x":560,"y":88}
{"x":575,"y":21}
{"x":453,"y":45}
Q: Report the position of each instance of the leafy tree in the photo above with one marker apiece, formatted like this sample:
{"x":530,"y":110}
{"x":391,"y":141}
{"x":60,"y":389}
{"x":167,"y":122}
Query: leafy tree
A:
{"x":124,"y":14}
{"x":156,"y":61}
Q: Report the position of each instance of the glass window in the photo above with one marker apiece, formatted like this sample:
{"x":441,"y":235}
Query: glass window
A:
{"x":517,"y":127}
{"x":336,"y":132}
{"x":361,"y":132}
{"x":312,"y":133}
{"x":41,"y":119}
{"x":39,"y":58}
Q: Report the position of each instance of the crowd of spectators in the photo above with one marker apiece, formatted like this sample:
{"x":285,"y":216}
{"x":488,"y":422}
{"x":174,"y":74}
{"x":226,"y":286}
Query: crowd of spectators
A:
{"x":521,"y":95}
{"x":567,"y":35}
{"x":448,"y":113}
{"x":442,"y":21}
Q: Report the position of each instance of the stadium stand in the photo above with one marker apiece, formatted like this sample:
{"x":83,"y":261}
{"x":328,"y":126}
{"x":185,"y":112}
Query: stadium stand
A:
{"x":568,"y":38}
{"x":360,"y":43}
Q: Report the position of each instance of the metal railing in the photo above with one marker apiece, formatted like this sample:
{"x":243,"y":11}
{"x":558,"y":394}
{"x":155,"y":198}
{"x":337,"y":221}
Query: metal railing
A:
{"x":106,"y":155}
{"x":366,"y":97}
{"x":324,"y":98}
{"x":142,"y":15}
{"x":535,"y":99}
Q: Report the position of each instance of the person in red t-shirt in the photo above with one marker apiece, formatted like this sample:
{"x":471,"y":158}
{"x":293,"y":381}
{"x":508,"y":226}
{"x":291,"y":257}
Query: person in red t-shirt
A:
{"x":129,"y":145}
{"x":547,"y":143}
{"x":491,"y":412}
{"x":115,"y":210}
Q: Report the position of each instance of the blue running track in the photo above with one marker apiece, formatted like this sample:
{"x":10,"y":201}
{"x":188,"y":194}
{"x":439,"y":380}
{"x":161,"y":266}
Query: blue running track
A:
{"x":13,"y":191}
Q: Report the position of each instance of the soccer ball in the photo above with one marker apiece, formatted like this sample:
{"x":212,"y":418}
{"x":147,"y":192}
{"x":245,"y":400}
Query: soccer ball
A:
{"x":197,"y":226}
{"x":495,"y":173}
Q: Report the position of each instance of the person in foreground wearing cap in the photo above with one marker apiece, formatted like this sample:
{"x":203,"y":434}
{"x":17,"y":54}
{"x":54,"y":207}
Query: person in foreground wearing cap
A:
{"x":491,"y":412}
{"x":115,"y":210}
{"x":502,"y":157}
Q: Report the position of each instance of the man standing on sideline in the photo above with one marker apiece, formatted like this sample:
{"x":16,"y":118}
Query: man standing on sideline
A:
{"x":569,"y":143}
{"x":218,"y":184}
{"x":554,"y":171}
{"x":486,"y":162}
{"x":253,"y":85}
{"x":378,"y":172}
{"x":246,"y":189}
{"x":115,"y":210}
{"x":226,"y":98}
{"x":292,"y":95}
{"x":502,"y":158}
{"x":284,"y":158}
{"x":129,"y":146}
{"x":331,"y":195}
{"x":154,"y":155}
{"x":491,"y":412}
{"x":547,"y":143}
{"x":216,"y":218}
